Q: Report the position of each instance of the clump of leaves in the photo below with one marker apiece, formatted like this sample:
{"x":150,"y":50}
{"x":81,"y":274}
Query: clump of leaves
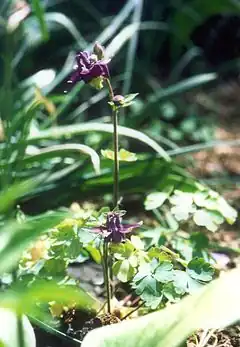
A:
{"x":205,"y":207}
{"x":158,"y":275}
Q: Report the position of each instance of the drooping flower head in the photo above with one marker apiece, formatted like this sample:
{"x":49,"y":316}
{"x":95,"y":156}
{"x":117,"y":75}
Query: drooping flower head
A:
{"x":113,"y":230}
{"x":90,"y":69}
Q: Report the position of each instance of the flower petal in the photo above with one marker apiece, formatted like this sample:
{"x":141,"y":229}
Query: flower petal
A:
{"x":75,"y":77}
{"x":127,"y":228}
{"x":83,"y":60}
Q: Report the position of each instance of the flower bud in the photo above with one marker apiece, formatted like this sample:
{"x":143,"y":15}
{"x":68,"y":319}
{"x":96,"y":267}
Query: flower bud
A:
{"x":98,"y":50}
{"x":118,"y":100}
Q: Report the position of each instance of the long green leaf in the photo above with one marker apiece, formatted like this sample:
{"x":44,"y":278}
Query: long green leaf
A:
{"x":64,"y":151}
{"x":215,"y":306}
{"x":63,"y":20}
{"x":16,"y":237}
{"x":40,"y":14}
{"x":10,"y":195}
{"x":175,"y":89}
{"x":23,"y":299}
{"x":127,"y":32}
{"x":71,"y":130}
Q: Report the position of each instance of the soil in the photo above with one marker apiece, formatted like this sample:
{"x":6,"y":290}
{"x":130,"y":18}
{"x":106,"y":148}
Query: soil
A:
{"x":229,"y":337}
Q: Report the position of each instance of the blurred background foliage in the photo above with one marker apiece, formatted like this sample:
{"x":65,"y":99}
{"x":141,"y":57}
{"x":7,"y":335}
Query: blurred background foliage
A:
{"x":173,"y":53}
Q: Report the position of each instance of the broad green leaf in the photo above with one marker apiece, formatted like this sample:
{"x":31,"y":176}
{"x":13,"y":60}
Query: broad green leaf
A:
{"x":94,"y":253}
{"x":183,"y":283}
{"x":164,"y":272}
{"x":151,"y":300}
{"x":209,"y":219}
{"x":54,"y":267}
{"x":200,"y":198}
{"x":123,"y":155}
{"x":137,"y":242}
{"x":133,"y":261}
{"x":156,"y":199}
{"x":123,"y":270}
{"x":148,"y":283}
{"x":226,"y":210}
{"x":214,"y":306}
{"x":130,"y":97}
{"x":182,"y":212}
{"x":183,"y":205}
{"x":122,"y":250}
{"x":16,"y":237}
{"x":200,"y":270}
{"x":171,"y":292}
{"x":158,"y":253}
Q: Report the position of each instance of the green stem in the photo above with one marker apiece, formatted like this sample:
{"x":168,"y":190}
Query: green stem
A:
{"x":106,"y":268}
{"x":20,"y":333}
{"x":134,"y":310}
{"x":115,"y":148}
{"x":116,"y":162}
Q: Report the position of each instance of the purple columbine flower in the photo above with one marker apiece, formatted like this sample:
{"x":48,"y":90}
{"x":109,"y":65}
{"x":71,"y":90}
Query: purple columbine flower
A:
{"x":113,"y":230}
{"x":88,"y":67}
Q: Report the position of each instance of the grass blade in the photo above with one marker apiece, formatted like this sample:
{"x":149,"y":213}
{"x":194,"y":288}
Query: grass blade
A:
{"x":64,"y":151}
{"x":40,"y":14}
{"x":71,"y":130}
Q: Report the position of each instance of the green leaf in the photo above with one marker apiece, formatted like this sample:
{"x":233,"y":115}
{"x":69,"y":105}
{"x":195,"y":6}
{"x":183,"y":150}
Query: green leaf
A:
{"x":123,"y":270}
{"x":122,"y":250}
{"x":130,"y":97}
{"x":164,"y":272}
{"x":23,"y":299}
{"x":156,"y":199}
{"x":226,"y":210}
{"x":200,"y":270}
{"x":147,"y":283}
{"x":183,"y":205}
{"x":86,"y":236}
{"x":133,"y":261}
{"x":137,"y":242}
{"x":123,"y":155}
{"x":39,"y":12}
{"x":171,"y":326}
{"x":71,"y":130}
{"x":67,"y":149}
{"x":200,"y":198}
{"x":183,"y":283}
{"x":158,"y":253}
{"x":151,"y":300}
{"x":94,"y":253}
{"x":16,"y":237}
{"x":9,"y":196}
{"x":171,"y":292}
{"x":209,"y":219}
{"x":54,"y":267}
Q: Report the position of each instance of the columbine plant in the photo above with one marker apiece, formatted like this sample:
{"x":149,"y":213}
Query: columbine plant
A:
{"x":92,"y":68}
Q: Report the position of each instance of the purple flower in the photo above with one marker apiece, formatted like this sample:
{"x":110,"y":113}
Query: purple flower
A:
{"x":113,"y":230}
{"x":88,"y":67}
